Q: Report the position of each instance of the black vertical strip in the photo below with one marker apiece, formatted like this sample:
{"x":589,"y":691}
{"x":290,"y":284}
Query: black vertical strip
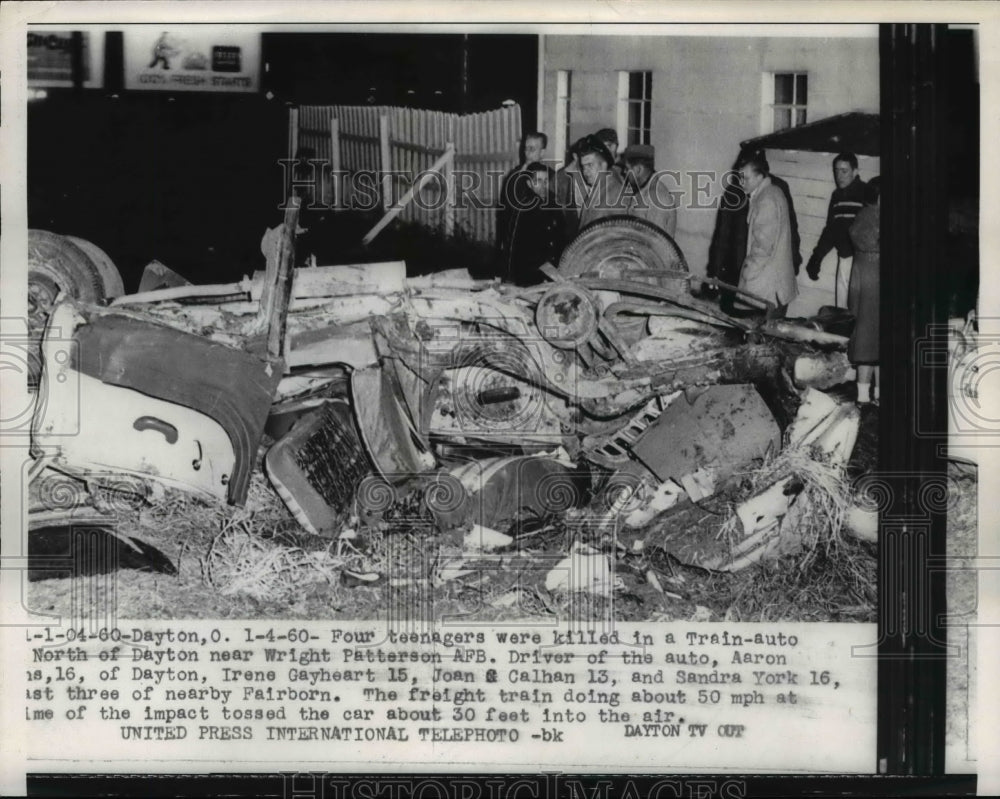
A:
{"x":114,"y":61}
{"x":913,"y":396}
{"x":76,"y":59}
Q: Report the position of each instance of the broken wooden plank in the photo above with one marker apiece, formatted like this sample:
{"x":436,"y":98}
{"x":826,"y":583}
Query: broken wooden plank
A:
{"x":340,"y":343}
{"x":341,"y":280}
{"x":272,"y":316}
{"x":344,"y":309}
{"x":220,"y":291}
{"x":397,"y":209}
{"x":806,"y":335}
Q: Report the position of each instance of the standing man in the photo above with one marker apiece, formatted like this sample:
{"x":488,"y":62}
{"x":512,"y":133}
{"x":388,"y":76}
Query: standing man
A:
{"x":728,"y":249}
{"x":605,"y":192}
{"x":538,"y":233}
{"x":768,"y":270}
{"x":515,"y":191}
{"x":568,"y":188}
{"x":845,"y":202}
{"x":649,"y":198}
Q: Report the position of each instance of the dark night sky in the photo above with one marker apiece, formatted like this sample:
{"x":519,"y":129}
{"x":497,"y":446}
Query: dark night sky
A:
{"x":192,"y":179}
{"x":420,"y":70}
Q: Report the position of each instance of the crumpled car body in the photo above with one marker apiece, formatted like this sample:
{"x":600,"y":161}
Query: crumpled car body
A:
{"x":124,"y":395}
{"x":439,"y":369}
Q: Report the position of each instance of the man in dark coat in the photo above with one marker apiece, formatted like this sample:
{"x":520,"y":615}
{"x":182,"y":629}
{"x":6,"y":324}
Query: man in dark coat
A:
{"x":845,"y":202}
{"x":538,"y":231}
{"x":728,"y":249}
{"x":569,"y":188}
{"x":515,"y":190}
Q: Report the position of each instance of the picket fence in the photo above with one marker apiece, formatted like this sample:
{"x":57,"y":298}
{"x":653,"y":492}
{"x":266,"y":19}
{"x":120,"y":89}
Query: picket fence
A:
{"x":405,"y":143}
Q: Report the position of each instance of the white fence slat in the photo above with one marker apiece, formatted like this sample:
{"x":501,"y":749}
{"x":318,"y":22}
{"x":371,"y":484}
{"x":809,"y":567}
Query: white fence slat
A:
{"x":425,"y":132}
{"x":352,"y":139}
{"x":404,"y":118}
{"x":492,"y":145}
{"x":337,"y":186}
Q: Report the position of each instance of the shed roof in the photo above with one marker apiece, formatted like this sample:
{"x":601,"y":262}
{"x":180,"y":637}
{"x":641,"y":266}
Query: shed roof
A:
{"x":854,"y":132}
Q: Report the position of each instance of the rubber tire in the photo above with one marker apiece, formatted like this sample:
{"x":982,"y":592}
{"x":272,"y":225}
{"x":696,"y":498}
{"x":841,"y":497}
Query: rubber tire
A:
{"x":55,"y":264}
{"x":114,"y":286}
{"x":620,"y":239}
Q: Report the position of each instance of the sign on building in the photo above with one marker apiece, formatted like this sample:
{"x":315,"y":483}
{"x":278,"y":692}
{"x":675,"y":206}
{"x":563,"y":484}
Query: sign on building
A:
{"x":192,"y":58}
{"x":50,"y":58}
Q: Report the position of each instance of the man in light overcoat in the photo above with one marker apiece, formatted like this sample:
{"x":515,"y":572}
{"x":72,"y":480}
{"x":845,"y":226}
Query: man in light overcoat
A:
{"x":768,"y":269}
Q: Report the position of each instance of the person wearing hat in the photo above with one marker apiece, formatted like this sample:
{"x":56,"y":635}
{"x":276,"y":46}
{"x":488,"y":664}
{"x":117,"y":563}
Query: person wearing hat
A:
{"x":609,"y":138}
{"x":648,"y":197}
{"x":604,"y":190}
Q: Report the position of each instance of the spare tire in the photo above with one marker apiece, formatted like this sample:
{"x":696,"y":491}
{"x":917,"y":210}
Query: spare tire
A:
{"x":110,"y":276}
{"x":55,"y":264}
{"x":621,"y":247}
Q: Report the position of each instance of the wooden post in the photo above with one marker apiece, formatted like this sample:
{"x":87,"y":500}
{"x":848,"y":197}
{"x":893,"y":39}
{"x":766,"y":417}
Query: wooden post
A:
{"x":293,"y":147}
{"x":277,"y":292}
{"x":293,"y":144}
{"x":337,"y":185}
{"x":449,"y":183}
{"x":385,"y":161}
{"x":293,"y":132}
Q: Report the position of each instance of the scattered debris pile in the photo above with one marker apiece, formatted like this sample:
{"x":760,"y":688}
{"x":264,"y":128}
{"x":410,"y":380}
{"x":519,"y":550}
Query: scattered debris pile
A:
{"x":564,"y":431}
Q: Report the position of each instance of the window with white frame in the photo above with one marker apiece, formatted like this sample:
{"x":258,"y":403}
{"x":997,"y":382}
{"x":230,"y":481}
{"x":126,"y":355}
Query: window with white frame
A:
{"x":564,"y":87}
{"x":635,"y":107}
{"x":786,"y":98}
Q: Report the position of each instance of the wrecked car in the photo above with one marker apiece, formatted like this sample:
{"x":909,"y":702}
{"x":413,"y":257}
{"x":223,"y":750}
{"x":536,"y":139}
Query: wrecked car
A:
{"x":610,"y":389}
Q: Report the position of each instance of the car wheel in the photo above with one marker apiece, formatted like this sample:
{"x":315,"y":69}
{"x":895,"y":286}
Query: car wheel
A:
{"x":110,"y":276}
{"x":621,"y":247}
{"x":55,"y":264}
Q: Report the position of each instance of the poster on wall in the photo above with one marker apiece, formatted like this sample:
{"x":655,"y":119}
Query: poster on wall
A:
{"x":194,"y":58}
{"x":50,"y":58}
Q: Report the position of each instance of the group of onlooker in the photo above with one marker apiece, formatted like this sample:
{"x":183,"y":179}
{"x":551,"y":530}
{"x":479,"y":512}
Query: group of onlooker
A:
{"x":542,"y":208}
{"x":756,"y":244}
{"x":755,"y":247}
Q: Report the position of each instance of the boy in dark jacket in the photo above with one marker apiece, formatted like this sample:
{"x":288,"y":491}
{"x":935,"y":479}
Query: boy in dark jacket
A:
{"x":845,"y":202}
{"x":538,"y":231}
